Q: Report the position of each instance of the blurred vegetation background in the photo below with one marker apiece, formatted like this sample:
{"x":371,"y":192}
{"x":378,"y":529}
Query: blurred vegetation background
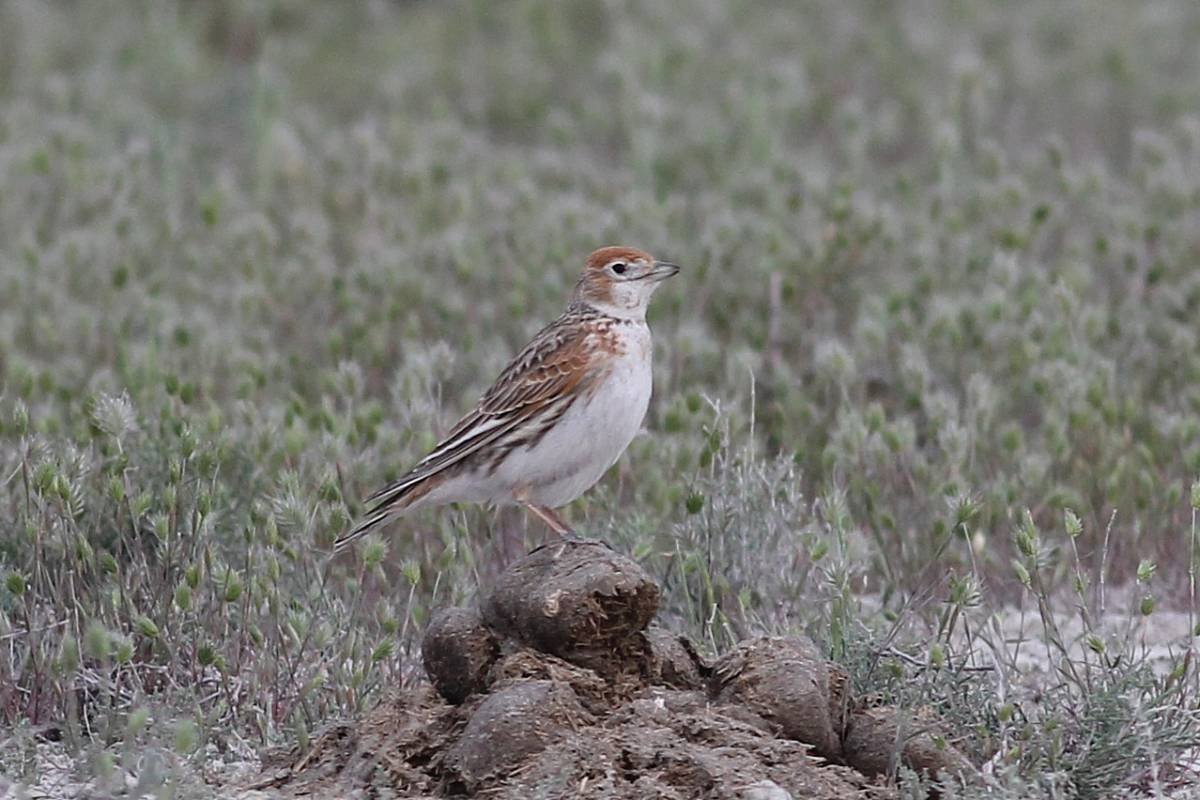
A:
{"x":938,"y":314}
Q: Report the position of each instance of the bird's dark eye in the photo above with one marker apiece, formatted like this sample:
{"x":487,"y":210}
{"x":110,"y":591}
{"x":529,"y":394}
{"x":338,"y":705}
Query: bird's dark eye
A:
{"x":619,"y":267}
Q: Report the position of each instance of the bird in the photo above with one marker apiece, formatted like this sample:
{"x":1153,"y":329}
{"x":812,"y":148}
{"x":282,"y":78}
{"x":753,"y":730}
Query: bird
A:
{"x":557,"y":417}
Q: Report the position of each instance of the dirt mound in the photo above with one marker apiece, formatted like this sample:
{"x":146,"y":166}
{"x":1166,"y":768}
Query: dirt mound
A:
{"x":560,"y":686}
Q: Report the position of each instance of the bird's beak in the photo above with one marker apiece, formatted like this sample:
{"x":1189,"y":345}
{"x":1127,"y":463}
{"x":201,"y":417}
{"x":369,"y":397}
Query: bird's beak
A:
{"x":662,"y":270}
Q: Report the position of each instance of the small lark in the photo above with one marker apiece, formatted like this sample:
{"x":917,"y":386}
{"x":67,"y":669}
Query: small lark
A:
{"x":560,"y":414}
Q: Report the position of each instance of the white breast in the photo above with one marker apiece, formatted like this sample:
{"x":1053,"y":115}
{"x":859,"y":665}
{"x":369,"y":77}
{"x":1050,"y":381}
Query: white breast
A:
{"x":592,"y":434}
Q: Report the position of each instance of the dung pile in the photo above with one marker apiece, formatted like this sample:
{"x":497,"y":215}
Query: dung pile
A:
{"x":560,"y":685}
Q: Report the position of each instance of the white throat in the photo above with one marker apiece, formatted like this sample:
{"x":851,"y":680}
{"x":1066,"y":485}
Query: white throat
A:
{"x":635,"y":313}
{"x":626,"y":300}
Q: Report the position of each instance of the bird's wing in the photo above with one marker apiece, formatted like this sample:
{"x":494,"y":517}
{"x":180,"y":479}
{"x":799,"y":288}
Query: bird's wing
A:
{"x":542,"y":380}
{"x":533,"y":391}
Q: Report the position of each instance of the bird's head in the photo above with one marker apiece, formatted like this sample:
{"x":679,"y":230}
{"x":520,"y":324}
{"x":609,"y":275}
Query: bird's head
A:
{"x":620,"y":280}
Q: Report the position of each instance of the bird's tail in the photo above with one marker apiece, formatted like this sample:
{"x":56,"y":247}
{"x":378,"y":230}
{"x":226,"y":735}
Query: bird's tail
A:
{"x":364,"y":526}
{"x":388,"y":502}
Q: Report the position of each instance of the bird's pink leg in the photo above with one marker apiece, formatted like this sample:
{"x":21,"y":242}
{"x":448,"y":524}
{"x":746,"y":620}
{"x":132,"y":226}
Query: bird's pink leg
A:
{"x":551,"y":518}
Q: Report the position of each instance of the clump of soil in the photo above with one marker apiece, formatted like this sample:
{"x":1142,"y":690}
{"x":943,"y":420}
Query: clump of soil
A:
{"x":576,"y":599}
{"x":512,"y":723}
{"x":458,"y":650}
{"x":878,"y":739}
{"x":558,"y":685}
{"x":789,"y":685}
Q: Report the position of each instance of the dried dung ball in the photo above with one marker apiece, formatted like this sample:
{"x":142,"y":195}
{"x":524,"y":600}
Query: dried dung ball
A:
{"x":576,"y":599}
{"x":512,"y":724}
{"x":458,"y":650}
{"x":875,"y":737}
{"x":672,"y":661}
{"x":787,"y":682}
